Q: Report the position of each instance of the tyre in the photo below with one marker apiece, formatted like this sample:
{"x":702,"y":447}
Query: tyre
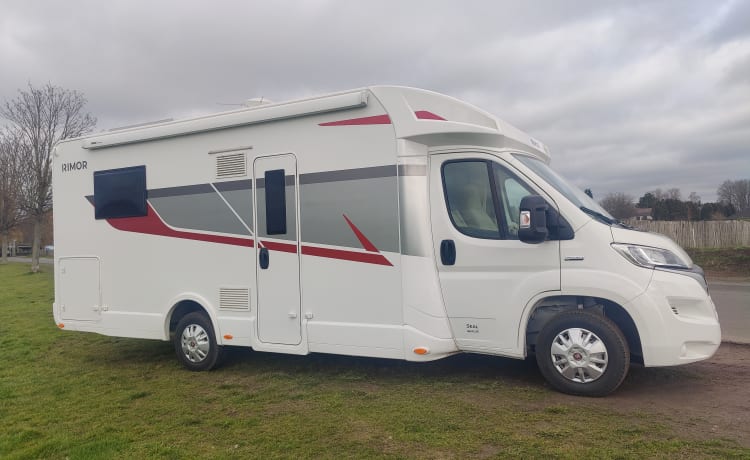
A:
{"x":582,"y":353}
{"x":195,"y":342}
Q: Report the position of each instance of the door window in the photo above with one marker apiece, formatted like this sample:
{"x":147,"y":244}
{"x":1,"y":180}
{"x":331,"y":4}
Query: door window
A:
{"x":468,"y":194}
{"x":275,"y":202}
{"x":510,"y":191}
{"x":477,"y":192}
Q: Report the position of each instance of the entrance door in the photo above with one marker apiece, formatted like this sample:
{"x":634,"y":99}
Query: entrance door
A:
{"x":277,"y":249}
{"x":487,"y":276}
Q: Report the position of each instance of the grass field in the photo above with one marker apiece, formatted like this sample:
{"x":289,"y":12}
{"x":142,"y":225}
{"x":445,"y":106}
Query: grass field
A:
{"x":76,"y":395}
{"x":724,"y":261}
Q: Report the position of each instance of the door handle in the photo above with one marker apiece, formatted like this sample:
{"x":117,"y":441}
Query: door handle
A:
{"x":263,"y":258}
{"x":448,"y":252}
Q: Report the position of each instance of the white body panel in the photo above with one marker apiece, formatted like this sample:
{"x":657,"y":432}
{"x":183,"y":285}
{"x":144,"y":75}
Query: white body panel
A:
{"x":358,"y":268}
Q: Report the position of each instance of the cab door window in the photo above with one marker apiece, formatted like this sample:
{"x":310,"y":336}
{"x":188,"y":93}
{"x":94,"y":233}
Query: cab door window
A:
{"x":483,"y":198}
{"x":468,"y":194}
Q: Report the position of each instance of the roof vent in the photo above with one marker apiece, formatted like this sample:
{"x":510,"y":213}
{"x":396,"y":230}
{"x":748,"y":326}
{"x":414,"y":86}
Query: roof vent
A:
{"x":231,"y":165}
{"x":236,"y":299}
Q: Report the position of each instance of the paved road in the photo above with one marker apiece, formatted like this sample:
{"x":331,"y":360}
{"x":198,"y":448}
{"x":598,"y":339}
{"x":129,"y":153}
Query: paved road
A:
{"x":732,"y":300}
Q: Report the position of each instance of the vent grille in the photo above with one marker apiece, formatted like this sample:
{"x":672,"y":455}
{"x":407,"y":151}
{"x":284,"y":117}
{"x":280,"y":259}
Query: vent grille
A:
{"x":674,"y":310}
{"x":237,"y":299}
{"x":231,"y":165}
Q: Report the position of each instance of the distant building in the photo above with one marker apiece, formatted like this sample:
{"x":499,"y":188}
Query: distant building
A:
{"x":643,"y":214}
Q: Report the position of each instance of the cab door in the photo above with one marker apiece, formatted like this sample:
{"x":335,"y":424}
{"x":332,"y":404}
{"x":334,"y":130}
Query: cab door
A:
{"x":277,"y":249}
{"x":487,"y":276}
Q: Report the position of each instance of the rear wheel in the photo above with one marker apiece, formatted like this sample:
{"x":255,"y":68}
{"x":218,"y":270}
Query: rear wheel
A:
{"x":582,"y":353}
{"x":195,"y":342}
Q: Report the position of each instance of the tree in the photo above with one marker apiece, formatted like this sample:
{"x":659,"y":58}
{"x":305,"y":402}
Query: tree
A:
{"x":673,"y":194}
{"x":619,"y":205}
{"x":716,"y":211}
{"x":647,"y":201}
{"x":736,"y":193}
{"x":659,"y":194}
{"x":10,"y":188}
{"x":670,"y":209}
{"x":43,"y":117}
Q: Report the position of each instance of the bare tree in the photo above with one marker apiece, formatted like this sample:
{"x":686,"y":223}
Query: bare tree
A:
{"x":658,"y":194}
{"x":43,"y":117}
{"x":736,"y":193}
{"x":10,"y":188}
{"x":674,"y":194}
{"x":619,"y":205}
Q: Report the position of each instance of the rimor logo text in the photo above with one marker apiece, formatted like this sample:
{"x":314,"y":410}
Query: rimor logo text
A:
{"x":74,"y":166}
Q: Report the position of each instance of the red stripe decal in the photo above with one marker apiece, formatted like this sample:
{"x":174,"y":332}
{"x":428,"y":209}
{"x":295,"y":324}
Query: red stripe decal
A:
{"x":281,"y":247}
{"x":151,"y":224}
{"x":367,"y":244}
{"x":425,"y":115}
{"x":365,"y":257}
{"x":375,"y":120}
{"x":329,"y":253}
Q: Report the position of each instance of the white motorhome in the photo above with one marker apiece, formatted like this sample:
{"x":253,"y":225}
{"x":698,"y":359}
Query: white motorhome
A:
{"x":386,"y":221}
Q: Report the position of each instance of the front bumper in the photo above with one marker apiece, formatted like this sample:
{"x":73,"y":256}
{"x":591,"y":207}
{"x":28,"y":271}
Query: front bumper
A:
{"x":677,"y":319}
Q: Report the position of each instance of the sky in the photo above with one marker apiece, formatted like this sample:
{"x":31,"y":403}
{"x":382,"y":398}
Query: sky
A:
{"x":629,"y":96}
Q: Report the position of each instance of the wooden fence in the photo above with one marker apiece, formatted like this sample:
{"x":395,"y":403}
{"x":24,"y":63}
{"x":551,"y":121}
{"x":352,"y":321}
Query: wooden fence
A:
{"x":701,"y":234}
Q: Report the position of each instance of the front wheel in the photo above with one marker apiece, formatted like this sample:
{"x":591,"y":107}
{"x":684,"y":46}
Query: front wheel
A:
{"x":195,"y":342}
{"x":582,"y":353}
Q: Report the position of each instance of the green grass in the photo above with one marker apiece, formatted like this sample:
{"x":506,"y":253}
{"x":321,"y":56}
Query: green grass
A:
{"x":729,"y":261}
{"x":77,"y":395}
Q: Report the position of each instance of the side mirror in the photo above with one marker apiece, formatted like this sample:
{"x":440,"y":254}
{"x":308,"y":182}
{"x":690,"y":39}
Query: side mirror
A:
{"x":532,"y":227}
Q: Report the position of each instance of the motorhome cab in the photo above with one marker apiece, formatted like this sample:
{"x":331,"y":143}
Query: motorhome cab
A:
{"x":386,"y":221}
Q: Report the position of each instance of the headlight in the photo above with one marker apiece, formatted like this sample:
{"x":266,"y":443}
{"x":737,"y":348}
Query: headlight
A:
{"x":645,"y":256}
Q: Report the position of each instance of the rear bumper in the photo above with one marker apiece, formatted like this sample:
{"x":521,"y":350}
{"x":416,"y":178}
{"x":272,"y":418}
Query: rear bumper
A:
{"x":677,"y":320}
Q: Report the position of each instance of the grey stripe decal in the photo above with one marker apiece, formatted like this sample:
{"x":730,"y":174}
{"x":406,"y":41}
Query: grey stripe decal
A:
{"x":261,"y":182}
{"x":367,"y":196}
{"x":179,"y":191}
{"x":308,"y":178}
{"x":199,"y":211}
{"x":348,"y":174}
{"x":230,"y":186}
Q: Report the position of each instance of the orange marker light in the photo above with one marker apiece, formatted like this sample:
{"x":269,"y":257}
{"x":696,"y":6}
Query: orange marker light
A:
{"x":61,"y":325}
{"x":228,"y":336}
{"x":421,"y":350}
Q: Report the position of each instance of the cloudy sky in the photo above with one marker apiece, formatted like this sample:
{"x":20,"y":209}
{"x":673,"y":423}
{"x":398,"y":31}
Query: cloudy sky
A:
{"x":630,"y":95}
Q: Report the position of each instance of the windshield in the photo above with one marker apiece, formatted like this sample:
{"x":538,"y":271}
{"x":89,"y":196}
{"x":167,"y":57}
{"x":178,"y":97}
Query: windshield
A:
{"x":571,"y":192}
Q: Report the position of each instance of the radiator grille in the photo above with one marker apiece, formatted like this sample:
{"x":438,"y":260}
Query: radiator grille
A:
{"x":231,"y":165}
{"x":234,"y":299}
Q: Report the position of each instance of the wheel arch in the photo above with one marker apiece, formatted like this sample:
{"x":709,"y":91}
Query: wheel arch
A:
{"x":546,"y":308}
{"x":188,"y":303}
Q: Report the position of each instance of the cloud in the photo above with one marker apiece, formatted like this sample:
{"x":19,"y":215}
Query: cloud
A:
{"x":629,"y":95}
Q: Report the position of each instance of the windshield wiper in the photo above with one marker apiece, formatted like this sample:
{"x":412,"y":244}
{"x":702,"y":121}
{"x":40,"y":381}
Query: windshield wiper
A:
{"x":602,"y":217}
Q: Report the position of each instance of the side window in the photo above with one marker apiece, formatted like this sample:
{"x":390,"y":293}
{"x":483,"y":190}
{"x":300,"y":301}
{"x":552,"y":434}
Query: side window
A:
{"x":275,"y":202}
{"x":468,"y":194}
{"x":510,"y":190}
{"x":483,"y":198}
{"x":120,"y":193}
